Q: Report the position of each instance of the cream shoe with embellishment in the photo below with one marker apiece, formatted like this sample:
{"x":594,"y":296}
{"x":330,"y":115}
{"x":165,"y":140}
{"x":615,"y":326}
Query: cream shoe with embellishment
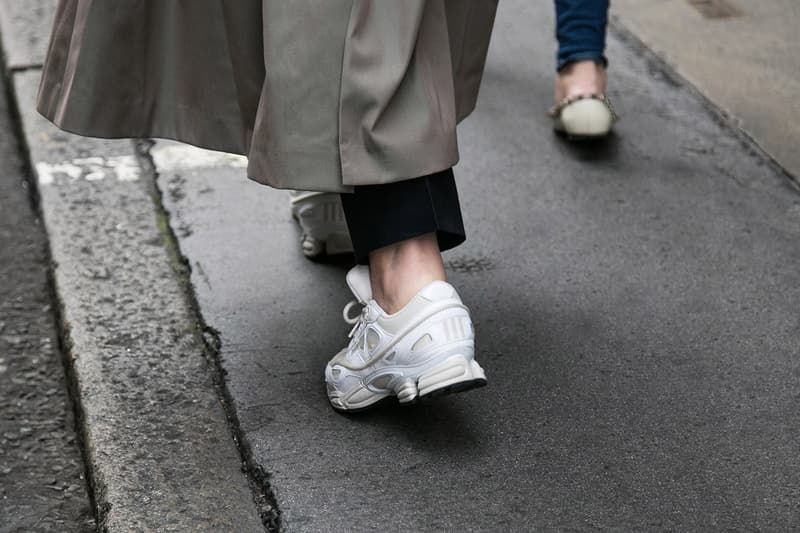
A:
{"x":425,"y":349}
{"x":585,"y":116}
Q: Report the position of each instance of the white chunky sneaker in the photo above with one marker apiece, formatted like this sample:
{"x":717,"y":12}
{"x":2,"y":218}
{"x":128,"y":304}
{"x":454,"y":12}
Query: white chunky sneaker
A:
{"x":425,"y":349}
{"x":322,"y":222}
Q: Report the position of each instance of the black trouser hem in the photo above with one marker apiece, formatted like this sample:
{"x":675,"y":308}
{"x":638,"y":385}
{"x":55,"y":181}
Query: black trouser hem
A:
{"x":381,"y":215}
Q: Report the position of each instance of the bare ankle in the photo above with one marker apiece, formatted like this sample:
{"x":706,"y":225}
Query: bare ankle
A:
{"x":580,"y":78}
{"x":399,"y":271}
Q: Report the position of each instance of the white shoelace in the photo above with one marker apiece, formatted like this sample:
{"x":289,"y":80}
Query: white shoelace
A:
{"x":359,"y":322}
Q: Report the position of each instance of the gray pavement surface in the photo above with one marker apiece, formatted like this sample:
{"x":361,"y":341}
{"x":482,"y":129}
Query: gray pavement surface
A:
{"x":635,"y":302}
{"x":160,"y":450}
{"x":742,"y":55}
{"x":42,"y":485}
{"x":25,"y":26}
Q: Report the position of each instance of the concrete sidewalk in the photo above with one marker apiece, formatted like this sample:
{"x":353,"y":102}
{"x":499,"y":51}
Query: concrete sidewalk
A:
{"x":635,"y":302}
{"x":636,"y":309}
{"x":743,"y":56}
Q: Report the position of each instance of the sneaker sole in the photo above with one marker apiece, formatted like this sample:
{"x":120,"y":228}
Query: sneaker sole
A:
{"x":457,"y":373}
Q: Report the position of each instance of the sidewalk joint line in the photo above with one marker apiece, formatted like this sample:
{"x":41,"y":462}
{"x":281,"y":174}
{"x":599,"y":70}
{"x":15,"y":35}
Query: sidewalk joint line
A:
{"x":257,"y":477}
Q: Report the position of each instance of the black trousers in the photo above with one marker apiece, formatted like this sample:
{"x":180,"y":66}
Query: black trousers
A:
{"x":380,"y":215}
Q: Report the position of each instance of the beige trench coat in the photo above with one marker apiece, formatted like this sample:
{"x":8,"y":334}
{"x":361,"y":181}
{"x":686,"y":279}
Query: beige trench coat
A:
{"x":319,"y":94}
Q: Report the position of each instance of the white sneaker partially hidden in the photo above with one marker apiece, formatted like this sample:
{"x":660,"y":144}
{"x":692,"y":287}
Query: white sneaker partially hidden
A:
{"x":425,"y":349}
{"x":322,"y":222}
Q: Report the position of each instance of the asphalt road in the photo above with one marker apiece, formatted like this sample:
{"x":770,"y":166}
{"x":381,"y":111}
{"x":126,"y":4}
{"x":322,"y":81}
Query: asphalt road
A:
{"x":635,"y":303}
{"x":42,"y":485}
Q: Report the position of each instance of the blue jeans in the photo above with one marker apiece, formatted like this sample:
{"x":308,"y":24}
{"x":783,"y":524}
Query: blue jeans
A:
{"x":581,"y":31}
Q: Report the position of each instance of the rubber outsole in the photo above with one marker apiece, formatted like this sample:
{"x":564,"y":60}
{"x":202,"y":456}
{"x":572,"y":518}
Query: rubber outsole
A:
{"x":451,"y":389}
{"x":463,"y":386}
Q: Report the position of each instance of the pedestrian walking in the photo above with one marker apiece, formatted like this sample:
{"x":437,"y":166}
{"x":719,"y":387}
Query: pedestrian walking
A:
{"x":582,"y":108}
{"x":356,"y":97}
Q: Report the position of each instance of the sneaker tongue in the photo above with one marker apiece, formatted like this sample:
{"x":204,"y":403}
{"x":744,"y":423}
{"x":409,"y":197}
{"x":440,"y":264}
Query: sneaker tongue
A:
{"x":358,"y":281}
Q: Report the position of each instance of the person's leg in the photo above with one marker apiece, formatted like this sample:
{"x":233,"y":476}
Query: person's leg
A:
{"x":582,"y":108}
{"x":399,"y":229}
{"x":414,"y":337}
{"x":580,"y":78}
{"x":581,"y":31}
{"x":580,"y":60}
{"x":400,"y":270}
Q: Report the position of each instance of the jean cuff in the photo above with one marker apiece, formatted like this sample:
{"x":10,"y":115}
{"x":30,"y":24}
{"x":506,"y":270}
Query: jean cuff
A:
{"x":600,"y":59}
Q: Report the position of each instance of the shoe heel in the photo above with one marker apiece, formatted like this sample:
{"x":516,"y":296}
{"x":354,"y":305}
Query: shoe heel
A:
{"x":406,"y":391}
{"x":455,"y":374}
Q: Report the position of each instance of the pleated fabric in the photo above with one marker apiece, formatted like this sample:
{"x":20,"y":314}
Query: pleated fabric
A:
{"x":319,"y":94}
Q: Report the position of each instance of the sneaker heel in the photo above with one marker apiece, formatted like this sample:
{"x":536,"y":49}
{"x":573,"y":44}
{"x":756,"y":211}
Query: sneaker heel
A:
{"x":406,"y":390}
{"x":457,"y":373}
